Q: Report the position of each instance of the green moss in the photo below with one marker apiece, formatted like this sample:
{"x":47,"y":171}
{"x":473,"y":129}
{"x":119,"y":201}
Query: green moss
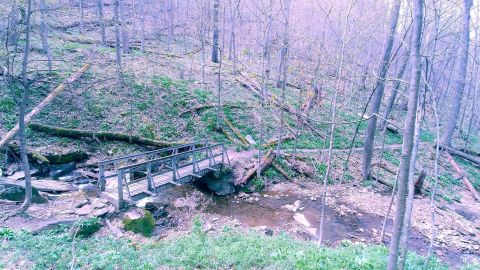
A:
{"x":144,"y":225}
{"x":66,"y":158}
{"x":88,"y":227}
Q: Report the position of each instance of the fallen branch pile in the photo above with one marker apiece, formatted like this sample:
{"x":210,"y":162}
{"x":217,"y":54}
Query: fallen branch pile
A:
{"x":266,"y":162}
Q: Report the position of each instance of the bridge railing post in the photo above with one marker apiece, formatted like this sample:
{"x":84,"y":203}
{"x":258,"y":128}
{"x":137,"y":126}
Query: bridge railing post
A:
{"x":194,"y":162}
{"x":224,"y":154}
{"x":120,"y":188}
{"x":174,"y":169}
{"x":150,"y":184}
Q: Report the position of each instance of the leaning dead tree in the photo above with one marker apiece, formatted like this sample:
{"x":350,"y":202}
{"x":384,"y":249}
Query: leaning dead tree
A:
{"x":378,"y":95}
{"x":54,"y":93}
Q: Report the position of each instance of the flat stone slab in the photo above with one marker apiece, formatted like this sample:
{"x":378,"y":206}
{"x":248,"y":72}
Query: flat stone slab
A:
{"x":52,"y":186}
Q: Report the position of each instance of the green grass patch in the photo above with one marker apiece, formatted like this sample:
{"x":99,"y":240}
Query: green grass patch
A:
{"x":147,"y":130}
{"x":473,"y":173}
{"x":163,"y":81}
{"x":228,"y":249}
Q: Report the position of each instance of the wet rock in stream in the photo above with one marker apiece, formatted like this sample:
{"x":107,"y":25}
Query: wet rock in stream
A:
{"x":220,"y":182}
{"x":56,"y":171}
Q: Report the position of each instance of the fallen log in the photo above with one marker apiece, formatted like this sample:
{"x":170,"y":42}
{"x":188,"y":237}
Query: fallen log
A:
{"x":394,"y":129}
{"x":266,"y":162}
{"x":274,"y":100}
{"x":469,"y":152}
{"x":87,"y":25}
{"x":230,"y":138}
{"x":300,"y":165}
{"x":385,"y":167}
{"x":208,"y":106}
{"x":274,"y":141}
{"x":235,"y":131}
{"x":461,"y":154}
{"x":281,"y":171}
{"x":102,"y":135}
{"x":461,"y":174}
{"x":379,"y":180}
{"x":59,"y":89}
{"x":32,"y":155}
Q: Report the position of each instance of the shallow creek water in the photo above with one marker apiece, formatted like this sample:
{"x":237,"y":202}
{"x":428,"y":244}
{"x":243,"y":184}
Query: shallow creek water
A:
{"x":268,"y":211}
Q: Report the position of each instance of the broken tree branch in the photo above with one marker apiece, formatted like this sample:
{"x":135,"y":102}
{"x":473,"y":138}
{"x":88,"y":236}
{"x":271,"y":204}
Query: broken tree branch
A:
{"x":461,"y":174}
{"x":266,"y":162}
{"x":235,"y":131}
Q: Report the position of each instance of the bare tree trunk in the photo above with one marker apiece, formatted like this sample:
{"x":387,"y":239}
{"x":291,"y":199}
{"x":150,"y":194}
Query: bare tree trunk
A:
{"x":408,"y":138}
{"x":219,"y":90}
{"x":44,"y":34}
{"x":285,"y":44}
{"x":13,"y":22}
{"x":377,"y":99}
{"x":171,"y":27}
{"x":202,"y":40}
{"x":82,"y":15}
{"x":460,"y":75}
{"x":123,"y":25}
{"x":233,"y":42}
{"x":411,"y":187}
{"x":215,"y":45}
{"x":142,"y":26}
{"x":339,"y":75}
{"x":118,"y":52}
{"x":265,"y":75}
{"x":435,"y":181}
{"x":395,"y":90}
{"x":21,"y":116}
{"x":101,"y":20}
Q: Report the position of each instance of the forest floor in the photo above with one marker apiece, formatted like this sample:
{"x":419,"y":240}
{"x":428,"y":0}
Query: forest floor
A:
{"x":160,"y":91}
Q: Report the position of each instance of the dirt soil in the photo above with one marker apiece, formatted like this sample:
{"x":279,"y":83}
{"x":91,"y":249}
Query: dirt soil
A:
{"x":353,"y":213}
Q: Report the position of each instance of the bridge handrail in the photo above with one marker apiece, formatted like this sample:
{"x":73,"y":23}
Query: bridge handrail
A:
{"x":178,"y":155}
{"x":114,"y":160}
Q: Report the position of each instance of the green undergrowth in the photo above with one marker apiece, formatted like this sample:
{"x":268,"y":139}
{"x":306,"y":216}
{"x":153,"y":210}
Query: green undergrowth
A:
{"x":228,"y":249}
{"x":472,"y":172}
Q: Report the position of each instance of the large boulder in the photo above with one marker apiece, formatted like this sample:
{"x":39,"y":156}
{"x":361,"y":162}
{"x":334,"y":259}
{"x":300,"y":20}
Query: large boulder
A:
{"x":16,"y":192}
{"x":139,"y":221}
{"x":88,"y":227}
{"x":220,"y":182}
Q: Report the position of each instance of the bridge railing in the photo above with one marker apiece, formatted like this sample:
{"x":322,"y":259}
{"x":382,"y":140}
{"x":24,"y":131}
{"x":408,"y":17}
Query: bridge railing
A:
{"x":174,"y":163}
{"x":112,"y":164}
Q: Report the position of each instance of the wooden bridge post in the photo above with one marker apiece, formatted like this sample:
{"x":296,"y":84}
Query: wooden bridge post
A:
{"x":224,"y":154}
{"x":150,"y":184}
{"x":120,"y":188}
{"x":174,"y":169}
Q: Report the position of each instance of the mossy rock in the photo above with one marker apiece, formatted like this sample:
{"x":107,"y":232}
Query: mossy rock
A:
{"x":75,"y":156}
{"x":17,"y":194}
{"x":139,"y":221}
{"x":88,"y":227}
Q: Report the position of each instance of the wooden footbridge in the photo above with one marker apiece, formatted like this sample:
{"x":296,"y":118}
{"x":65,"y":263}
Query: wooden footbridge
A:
{"x":130,"y":178}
